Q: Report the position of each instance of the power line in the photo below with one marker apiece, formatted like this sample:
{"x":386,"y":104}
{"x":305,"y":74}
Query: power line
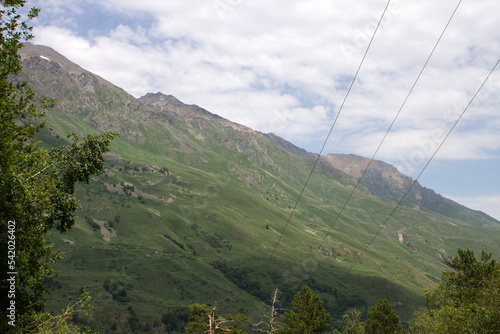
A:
{"x":423,"y":169}
{"x":329,"y":133}
{"x":389,"y":129}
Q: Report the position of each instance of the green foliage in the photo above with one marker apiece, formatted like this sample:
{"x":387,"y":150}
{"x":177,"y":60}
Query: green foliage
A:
{"x":449,"y":319}
{"x":308,"y":315}
{"x":242,"y":278}
{"x":118,"y":290}
{"x":382,"y":319}
{"x":467,"y":300}
{"x":93,"y":224}
{"x":36,"y":186}
{"x":46,"y":323}
{"x":462,"y":284}
{"x":207,"y":320}
{"x":353,"y":324}
{"x":175,"y":319}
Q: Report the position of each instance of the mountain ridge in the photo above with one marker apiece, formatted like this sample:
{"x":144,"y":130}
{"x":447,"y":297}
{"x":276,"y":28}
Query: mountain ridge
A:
{"x":383,"y":179}
{"x":376,"y":179}
{"x":196,"y":203}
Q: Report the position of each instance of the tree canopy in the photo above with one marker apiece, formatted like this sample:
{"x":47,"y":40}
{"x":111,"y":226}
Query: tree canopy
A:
{"x":467,"y":299}
{"x":307,"y":316}
{"x":36,"y":185}
{"x":352,"y":322}
{"x":382,"y":319}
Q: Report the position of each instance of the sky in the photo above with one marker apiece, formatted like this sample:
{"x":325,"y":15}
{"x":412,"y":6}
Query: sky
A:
{"x":285,"y":67}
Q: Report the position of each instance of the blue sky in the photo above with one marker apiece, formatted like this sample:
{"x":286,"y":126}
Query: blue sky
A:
{"x":284,"y":67}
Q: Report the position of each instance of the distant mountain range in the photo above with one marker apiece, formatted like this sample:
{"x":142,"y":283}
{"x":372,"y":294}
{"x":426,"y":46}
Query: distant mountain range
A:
{"x":191,"y":206}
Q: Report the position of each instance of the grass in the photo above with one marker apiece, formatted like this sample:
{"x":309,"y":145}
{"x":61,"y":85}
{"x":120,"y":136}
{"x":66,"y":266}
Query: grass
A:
{"x":163,"y":252}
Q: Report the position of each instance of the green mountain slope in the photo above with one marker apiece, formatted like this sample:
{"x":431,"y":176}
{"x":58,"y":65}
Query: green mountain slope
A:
{"x":191,"y":206}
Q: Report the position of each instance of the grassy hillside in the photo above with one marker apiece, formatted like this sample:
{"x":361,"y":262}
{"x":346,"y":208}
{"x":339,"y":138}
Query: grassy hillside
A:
{"x":191,"y":206}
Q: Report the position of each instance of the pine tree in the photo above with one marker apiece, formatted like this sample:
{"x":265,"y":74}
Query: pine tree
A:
{"x":308,"y":315}
{"x":467,"y":299}
{"x":382,"y":319}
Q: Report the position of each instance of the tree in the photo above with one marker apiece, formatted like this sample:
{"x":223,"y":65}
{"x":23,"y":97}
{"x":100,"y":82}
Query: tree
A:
{"x":467,"y":300}
{"x":382,"y":319}
{"x":353,"y":324}
{"x":207,"y":320}
{"x":272,"y":326}
{"x":45,"y":323}
{"x":36,"y":185}
{"x":308,"y":315}
{"x":462,"y":284}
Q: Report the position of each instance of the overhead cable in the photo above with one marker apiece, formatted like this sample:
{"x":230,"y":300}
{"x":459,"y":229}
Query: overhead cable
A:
{"x":421,"y":172}
{"x":388,"y":130}
{"x":329,"y":133}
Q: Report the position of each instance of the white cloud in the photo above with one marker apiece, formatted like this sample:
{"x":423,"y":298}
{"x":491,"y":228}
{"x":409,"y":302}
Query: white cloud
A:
{"x":110,"y":58}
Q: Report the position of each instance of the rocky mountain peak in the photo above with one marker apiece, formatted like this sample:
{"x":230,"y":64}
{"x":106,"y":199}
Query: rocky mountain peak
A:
{"x":44,"y":53}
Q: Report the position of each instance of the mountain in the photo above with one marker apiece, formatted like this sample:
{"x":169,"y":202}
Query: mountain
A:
{"x":384,"y":180}
{"x":195,"y":208}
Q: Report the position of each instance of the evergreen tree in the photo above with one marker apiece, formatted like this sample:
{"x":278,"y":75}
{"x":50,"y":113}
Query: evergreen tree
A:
{"x":308,"y":315}
{"x":462,"y":284}
{"x":382,"y":319}
{"x":36,"y":185}
{"x":467,"y":300}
